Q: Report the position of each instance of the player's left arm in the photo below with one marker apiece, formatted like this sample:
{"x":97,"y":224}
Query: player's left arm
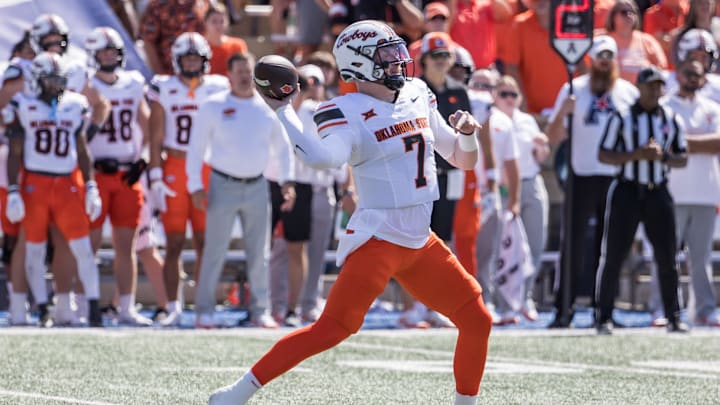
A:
{"x":83,"y":156}
{"x":457,"y":144}
{"x":143,"y":120}
{"x":100,"y":109}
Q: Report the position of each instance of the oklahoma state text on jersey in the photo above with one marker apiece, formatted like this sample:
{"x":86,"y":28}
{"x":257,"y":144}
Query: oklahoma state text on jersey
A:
{"x":180,"y":107}
{"x":50,"y":144}
{"x":392,"y":144}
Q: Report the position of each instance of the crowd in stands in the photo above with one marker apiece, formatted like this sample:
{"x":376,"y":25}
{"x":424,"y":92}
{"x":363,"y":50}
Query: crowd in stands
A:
{"x":188,"y":131}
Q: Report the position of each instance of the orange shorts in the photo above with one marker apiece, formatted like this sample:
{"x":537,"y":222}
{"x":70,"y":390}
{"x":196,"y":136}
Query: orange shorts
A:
{"x":8,"y":228}
{"x":53,"y":199}
{"x":120,"y":201}
{"x":180,"y":208}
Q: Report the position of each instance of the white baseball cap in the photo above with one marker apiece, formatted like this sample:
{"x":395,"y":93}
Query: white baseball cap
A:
{"x":313,"y":71}
{"x":603,"y":43}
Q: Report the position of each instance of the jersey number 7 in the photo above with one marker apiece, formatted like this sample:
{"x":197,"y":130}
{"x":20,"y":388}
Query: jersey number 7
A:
{"x":410,"y":141}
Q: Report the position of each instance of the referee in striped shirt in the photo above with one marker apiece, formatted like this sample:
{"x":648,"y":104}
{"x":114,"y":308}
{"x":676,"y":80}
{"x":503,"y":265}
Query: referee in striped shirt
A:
{"x":645,"y":140}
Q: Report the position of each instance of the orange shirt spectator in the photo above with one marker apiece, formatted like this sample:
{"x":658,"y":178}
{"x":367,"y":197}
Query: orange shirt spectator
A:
{"x":636,"y":49}
{"x":437,"y":17}
{"x":473,"y":27}
{"x":600,"y":12}
{"x":503,"y":30}
{"x":661,"y":19}
{"x":541,"y":71}
{"x":221,"y":45}
{"x":162,"y":22}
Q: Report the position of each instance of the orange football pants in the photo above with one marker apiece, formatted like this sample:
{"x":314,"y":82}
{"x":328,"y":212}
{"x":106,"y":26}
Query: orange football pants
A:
{"x":53,"y":199}
{"x":120,"y":201}
{"x":431,"y":274}
{"x":466,"y":224}
{"x":180,"y":208}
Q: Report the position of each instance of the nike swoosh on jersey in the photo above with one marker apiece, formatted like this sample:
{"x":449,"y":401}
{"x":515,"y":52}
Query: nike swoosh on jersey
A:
{"x":414,"y":99}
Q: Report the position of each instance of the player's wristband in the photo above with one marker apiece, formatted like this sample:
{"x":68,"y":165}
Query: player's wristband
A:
{"x":90,"y":184}
{"x":13,"y":188}
{"x":491,"y":174}
{"x":91,"y":131}
{"x":155,"y":174}
{"x":468,"y":143}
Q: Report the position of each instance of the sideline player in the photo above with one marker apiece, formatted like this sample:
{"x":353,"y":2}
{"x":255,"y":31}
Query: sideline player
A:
{"x":116,"y":148}
{"x":47,"y":138}
{"x":387,"y":132}
{"x":174,"y":101}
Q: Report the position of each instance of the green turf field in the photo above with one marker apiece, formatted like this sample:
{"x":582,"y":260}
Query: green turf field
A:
{"x":131,"y":366}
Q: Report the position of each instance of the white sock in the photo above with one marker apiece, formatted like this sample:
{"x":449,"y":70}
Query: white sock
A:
{"x":82,"y":306}
{"x":35,"y":270}
{"x":8,"y":284}
{"x":86,"y":266}
{"x":240,"y":391}
{"x":18,"y":308}
{"x":173,"y":306}
{"x":127,"y":303}
{"x":461,"y":399}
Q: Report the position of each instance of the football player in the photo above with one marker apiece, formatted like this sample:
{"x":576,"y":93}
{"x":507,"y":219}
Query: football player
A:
{"x":50,"y":33}
{"x":388,"y":133}
{"x":47,"y":137}
{"x":116,"y":149}
{"x":174,"y":102}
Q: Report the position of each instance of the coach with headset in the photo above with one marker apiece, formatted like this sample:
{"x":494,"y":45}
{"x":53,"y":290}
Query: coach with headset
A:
{"x":645,"y":141}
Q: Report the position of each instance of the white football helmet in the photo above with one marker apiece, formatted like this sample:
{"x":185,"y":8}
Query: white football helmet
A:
{"x":697,"y":39}
{"x":45,"y":25}
{"x":105,"y":38}
{"x":191,"y":43}
{"x":365,"y":49}
{"x":49,"y":74}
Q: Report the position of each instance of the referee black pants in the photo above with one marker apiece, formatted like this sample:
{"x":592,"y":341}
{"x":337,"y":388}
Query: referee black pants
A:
{"x":589,"y":198}
{"x":630,"y":203}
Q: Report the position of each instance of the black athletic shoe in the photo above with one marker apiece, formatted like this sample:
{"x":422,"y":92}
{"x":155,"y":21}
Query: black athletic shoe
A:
{"x":292,"y":319}
{"x":159,"y":314}
{"x":44,"y":318}
{"x":677,"y":327}
{"x":604,"y":328}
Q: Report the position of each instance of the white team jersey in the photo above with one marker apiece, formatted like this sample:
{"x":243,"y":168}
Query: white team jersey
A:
{"x":19,"y":67}
{"x":49,"y":144}
{"x":181,"y":108}
{"x":120,"y":137}
{"x":392,"y":157}
{"x":590,"y":119}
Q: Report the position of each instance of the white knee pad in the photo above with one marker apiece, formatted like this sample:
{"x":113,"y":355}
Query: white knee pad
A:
{"x":87,"y":268}
{"x":35,"y":270}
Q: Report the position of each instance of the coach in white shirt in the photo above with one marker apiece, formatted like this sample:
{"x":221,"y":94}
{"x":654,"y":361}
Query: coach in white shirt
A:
{"x":236,"y":133}
{"x":696,"y":187}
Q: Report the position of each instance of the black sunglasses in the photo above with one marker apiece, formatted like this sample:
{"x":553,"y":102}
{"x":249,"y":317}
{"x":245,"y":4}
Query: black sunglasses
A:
{"x":506,"y":94}
{"x":627,"y":12}
{"x":440,"y":55}
{"x":483,"y":86}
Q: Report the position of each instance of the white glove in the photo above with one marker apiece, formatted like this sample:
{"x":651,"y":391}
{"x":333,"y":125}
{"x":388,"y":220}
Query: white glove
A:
{"x":489,"y":205}
{"x":160,"y":191}
{"x":93,"y":202}
{"x":15,"y":209}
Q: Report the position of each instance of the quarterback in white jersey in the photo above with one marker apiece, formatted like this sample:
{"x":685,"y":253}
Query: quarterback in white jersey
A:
{"x":388,"y":132}
{"x":174,"y":102}
{"x":116,"y":149}
{"x":47,"y":139}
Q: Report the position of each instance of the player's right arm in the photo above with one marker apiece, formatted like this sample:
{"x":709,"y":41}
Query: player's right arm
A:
{"x":332,"y":148}
{"x":156,"y":125}
{"x":12,"y":84}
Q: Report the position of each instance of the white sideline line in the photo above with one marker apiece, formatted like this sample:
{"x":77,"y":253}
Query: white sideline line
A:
{"x":20,"y":394}
{"x":595,"y":367}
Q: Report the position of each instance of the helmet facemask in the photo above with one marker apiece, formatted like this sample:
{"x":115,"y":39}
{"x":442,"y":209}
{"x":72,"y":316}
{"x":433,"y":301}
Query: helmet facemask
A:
{"x":391,"y":64}
{"x":51,"y":87}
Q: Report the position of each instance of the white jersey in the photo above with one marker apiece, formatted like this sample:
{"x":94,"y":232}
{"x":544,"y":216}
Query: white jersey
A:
{"x":17,"y":68}
{"x":49,"y":142}
{"x":504,"y":145}
{"x":181,"y":107}
{"x":120,"y":137}
{"x":390,"y":147}
{"x":698,"y":183}
{"x":77,"y":74}
{"x":590,"y":119}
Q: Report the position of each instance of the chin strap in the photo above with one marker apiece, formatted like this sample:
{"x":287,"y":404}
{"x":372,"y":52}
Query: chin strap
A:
{"x":394,"y":82}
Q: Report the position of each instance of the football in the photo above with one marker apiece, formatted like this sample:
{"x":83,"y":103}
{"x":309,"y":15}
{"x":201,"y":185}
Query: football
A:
{"x":275,"y":77}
